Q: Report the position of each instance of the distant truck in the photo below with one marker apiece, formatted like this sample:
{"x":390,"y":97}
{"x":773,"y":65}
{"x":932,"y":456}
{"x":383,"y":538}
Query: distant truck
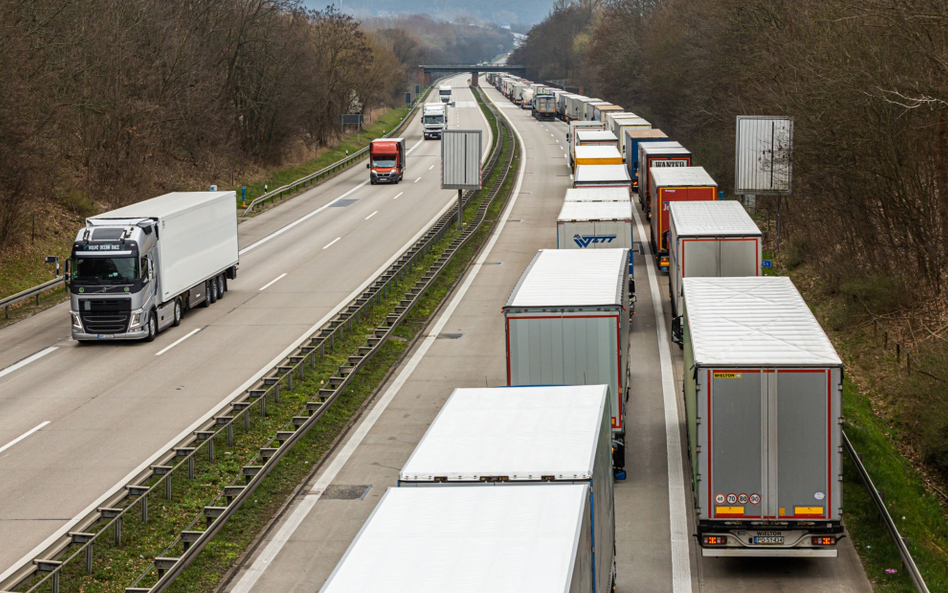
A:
{"x":544,"y":107}
{"x":526,"y":98}
{"x":603,"y":176}
{"x":657,"y":154}
{"x":444,"y":91}
{"x":477,"y":441}
{"x":135,"y":271}
{"x":597,"y":225}
{"x":596,"y":155}
{"x":763,"y":390}
{"x":386,"y":160}
{"x":567,"y":323}
{"x":631,"y":138}
{"x":675,"y":184}
{"x":434,"y":120}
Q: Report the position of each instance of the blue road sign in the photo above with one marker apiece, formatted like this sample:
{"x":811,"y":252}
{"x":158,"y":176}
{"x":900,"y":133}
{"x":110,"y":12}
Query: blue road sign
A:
{"x":767,"y":263}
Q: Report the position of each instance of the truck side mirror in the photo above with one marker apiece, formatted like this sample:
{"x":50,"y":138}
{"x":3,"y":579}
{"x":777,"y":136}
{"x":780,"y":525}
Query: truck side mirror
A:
{"x":66,"y":275}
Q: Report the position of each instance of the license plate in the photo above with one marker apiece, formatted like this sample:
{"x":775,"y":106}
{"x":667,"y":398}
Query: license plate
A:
{"x":769,"y":539}
{"x":105,"y":336}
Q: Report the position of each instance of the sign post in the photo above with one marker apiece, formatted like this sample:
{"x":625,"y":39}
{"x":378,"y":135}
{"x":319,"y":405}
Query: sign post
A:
{"x":461,"y":163}
{"x":763,"y":159}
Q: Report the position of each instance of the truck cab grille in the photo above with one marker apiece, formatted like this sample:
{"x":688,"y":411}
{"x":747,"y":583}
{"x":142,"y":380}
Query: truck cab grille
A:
{"x":105,"y":316}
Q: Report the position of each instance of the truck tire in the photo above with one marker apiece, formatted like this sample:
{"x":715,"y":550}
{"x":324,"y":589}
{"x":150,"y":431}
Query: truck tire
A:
{"x":177,"y":312}
{"x":212,"y":291}
{"x":207,"y":294}
{"x":220,"y":287}
{"x":152,"y":326}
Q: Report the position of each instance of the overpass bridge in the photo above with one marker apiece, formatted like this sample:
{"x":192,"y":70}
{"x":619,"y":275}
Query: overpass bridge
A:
{"x":474,"y":70}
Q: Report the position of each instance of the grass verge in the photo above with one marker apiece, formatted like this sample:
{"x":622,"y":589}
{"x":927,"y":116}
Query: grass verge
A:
{"x":117,"y":567}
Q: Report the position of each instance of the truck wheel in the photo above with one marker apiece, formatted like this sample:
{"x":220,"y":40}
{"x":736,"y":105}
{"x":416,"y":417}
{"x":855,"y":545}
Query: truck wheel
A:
{"x":220,"y":287}
{"x":207,"y":295}
{"x":152,"y":326}
{"x":177,"y":312}
{"x":212,"y":291}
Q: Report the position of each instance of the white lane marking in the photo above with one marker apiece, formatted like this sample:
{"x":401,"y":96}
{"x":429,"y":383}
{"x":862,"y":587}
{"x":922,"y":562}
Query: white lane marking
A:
{"x":678,"y":522}
{"x":371,"y":215}
{"x":328,"y":245}
{"x":272,"y":282}
{"x":302,"y":219}
{"x":570,"y":175}
{"x":188,"y":335}
{"x":417,"y":180}
{"x":431,"y":167}
{"x":292,"y":523}
{"x":31,"y":358}
{"x":398,"y":196}
{"x":23,"y":436}
{"x":70,"y":525}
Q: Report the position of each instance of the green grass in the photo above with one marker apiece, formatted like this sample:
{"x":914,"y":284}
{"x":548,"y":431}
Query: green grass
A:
{"x":117,"y":567}
{"x":915,"y":510}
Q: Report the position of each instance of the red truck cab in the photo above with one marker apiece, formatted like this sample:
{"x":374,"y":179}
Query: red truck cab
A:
{"x":386,"y":160}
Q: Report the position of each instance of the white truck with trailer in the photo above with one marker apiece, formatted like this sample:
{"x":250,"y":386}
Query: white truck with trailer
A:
{"x":526,"y":98}
{"x":135,"y":271}
{"x":603,"y":176}
{"x":708,"y":240}
{"x":472,"y":539}
{"x":518,"y":436}
{"x":434,"y":119}
{"x":763,"y":397}
{"x":574,"y":107}
{"x":444,"y":93}
{"x":567,"y":323}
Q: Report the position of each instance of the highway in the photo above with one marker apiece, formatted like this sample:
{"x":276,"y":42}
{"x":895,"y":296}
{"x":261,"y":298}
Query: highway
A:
{"x":655,"y":549}
{"x":77,"y":421}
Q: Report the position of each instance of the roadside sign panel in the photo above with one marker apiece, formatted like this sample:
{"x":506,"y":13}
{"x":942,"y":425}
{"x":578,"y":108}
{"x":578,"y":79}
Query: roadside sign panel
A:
{"x":461,"y":159}
{"x":763,"y":158}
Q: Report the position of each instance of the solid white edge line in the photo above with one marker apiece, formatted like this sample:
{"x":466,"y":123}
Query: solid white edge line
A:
{"x":31,"y":358}
{"x":186,"y":336}
{"x":328,"y":245}
{"x":677,"y":509}
{"x":293,"y":521}
{"x":371,"y":215}
{"x":272,"y":282}
{"x":68,"y":526}
{"x":23,"y":436}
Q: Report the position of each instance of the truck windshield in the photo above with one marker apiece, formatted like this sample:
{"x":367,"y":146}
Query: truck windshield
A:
{"x":105,"y":270}
{"x":383,"y":161}
{"x":434,"y":119}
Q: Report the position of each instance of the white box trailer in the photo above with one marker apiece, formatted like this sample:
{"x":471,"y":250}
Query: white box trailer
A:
{"x":613,"y":115}
{"x":603,"y":176}
{"x":594,"y":225}
{"x":710,"y":239}
{"x":620,"y":125}
{"x":597,"y":194}
{"x":589,"y":109}
{"x":567,"y":323}
{"x":521,"y":436}
{"x":518,"y":539}
{"x":575,"y":107}
{"x":763,"y":397}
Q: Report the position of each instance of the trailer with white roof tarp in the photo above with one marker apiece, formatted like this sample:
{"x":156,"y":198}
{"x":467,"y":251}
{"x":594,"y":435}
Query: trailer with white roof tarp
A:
{"x":567,"y":323}
{"x":597,"y":225}
{"x":710,"y":239}
{"x":763,"y":398}
{"x":508,"y":436}
{"x":516,"y":539}
{"x":603,"y":176}
{"x":597,"y":194}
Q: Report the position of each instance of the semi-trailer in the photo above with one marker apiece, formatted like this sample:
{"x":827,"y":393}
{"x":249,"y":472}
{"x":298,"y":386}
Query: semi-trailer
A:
{"x":631,"y":138}
{"x":657,"y":154}
{"x":386,"y":160}
{"x":526,"y":98}
{"x":544,"y":107}
{"x":596,"y":154}
{"x":675,"y":184}
{"x":561,"y":109}
{"x":603,"y":176}
{"x":444,"y":92}
{"x":597,"y":225}
{"x":709,"y":240}
{"x":434,"y":120}
{"x":620,"y":125}
{"x":136,"y":270}
{"x":519,"y":436}
{"x":600,"y":111}
{"x":567,"y":323}
{"x":613,"y":115}
{"x":574,"y":107}
{"x":597,"y":194}
{"x":574,"y":128}
{"x":589,"y":108}
{"x":763,"y":399}
{"x":472,"y":539}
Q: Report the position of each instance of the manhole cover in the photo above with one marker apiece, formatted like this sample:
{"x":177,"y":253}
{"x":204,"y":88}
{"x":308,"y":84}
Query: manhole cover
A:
{"x":345,"y":492}
{"x":446,"y":336}
{"x":343,"y":203}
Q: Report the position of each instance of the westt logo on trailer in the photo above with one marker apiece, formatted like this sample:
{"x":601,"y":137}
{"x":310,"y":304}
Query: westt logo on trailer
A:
{"x":587,"y":240}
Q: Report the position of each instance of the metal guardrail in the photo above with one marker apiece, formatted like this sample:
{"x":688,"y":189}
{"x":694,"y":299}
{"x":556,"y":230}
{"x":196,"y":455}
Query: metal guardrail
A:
{"x":908,"y":564}
{"x":36,"y":291}
{"x":182,"y":457}
{"x":338,"y":165}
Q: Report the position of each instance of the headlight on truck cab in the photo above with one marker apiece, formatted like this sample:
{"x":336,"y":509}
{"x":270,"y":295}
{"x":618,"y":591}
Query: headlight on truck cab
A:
{"x":76,"y":322}
{"x":136,"y":320}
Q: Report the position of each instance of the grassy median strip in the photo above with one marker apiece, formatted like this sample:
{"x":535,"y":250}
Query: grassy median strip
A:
{"x":116,"y":567}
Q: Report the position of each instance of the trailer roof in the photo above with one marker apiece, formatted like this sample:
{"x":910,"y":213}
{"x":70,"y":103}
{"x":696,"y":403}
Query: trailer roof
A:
{"x":589,"y":211}
{"x":631,"y":120}
{"x":637,"y":133}
{"x":521,"y":539}
{"x":522,"y":433}
{"x":604,"y":173}
{"x":594,"y":135}
{"x":167,"y":204}
{"x":597,"y":194}
{"x":598,"y":151}
{"x":681,"y":177}
{"x":753,"y":321}
{"x":711,"y":219}
{"x":667,"y":147}
{"x":572,"y":278}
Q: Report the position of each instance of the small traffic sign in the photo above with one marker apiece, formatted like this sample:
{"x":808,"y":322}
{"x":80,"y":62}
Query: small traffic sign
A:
{"x":767,"y":263}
